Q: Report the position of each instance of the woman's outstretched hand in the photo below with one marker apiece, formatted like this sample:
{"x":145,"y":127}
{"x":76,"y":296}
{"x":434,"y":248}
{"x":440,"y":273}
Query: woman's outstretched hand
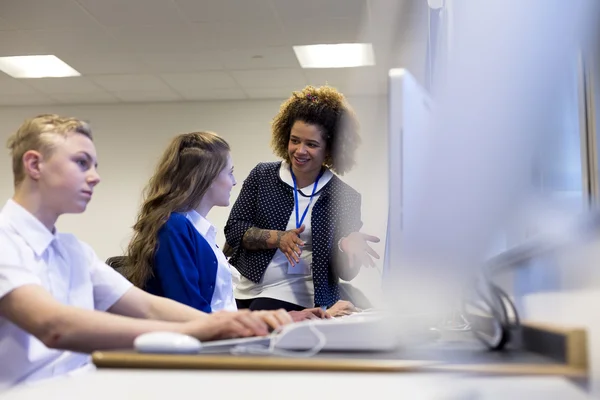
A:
{"x":356,"y":246}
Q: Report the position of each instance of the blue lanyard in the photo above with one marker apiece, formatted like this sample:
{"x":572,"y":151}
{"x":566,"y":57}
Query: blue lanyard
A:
{"x":297,"y":205}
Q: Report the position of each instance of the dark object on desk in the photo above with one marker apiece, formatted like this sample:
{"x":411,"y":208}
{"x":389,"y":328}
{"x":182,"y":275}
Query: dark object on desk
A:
{"x":566,"y":345}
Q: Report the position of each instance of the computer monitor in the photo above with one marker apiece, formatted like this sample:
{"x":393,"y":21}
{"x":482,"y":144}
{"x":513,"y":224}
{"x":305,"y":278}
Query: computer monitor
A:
{"x":409,"y":115}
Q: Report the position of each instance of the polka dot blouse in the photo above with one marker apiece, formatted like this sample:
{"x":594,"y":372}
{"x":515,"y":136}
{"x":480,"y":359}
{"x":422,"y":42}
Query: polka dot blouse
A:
{"x":266,"y":202}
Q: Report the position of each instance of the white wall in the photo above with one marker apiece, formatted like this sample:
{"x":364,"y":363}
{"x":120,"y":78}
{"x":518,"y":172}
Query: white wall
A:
{"x":130,"y":138}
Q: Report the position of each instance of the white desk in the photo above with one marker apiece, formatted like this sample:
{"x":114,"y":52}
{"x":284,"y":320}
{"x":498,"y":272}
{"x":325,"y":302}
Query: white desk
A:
{"x":111,"y":384}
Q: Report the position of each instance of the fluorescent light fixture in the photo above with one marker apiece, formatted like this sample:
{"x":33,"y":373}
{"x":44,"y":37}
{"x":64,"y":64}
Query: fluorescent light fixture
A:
{"x":342,"y":55}
{"x":36,"y":67}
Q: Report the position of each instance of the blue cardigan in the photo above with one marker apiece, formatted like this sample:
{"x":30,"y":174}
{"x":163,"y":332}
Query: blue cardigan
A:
{"x":185,"y":266}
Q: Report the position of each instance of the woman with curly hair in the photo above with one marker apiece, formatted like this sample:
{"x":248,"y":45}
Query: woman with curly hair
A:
{"x":294,"y":229}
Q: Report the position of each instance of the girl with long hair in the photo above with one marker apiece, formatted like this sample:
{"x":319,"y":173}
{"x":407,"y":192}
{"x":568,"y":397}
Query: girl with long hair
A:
{"x":173,"y":252}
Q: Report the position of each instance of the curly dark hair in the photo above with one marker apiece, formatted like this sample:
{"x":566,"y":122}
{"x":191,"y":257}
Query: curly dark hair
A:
{"x":328,"y":109}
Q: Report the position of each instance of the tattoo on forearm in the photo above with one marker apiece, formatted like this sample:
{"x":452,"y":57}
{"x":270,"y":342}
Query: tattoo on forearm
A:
{"x":279,"y":236}
{"x":256,"y":239}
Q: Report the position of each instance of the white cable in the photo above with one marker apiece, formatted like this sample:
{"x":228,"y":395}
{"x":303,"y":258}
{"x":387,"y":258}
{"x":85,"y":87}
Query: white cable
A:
{"x":272,"y":350}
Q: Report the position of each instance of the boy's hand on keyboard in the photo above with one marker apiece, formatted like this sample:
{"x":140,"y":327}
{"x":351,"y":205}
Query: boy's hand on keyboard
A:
{"x":342,"y":307}
{"x":309,"y":313}
{"x":227,"y":325}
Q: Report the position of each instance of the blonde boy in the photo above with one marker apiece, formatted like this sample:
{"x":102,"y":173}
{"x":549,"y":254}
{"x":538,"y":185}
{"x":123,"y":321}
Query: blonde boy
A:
{"x":58,"y":301}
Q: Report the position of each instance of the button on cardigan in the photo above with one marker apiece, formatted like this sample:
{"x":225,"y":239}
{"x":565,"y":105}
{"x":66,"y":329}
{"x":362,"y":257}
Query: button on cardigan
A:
{"x":266,"y":202}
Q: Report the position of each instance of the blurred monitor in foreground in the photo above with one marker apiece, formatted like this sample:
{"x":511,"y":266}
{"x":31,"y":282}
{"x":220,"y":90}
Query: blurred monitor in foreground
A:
{"x":459,"y":169}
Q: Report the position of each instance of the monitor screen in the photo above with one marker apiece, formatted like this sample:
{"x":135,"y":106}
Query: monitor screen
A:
{"x":410,"y":108}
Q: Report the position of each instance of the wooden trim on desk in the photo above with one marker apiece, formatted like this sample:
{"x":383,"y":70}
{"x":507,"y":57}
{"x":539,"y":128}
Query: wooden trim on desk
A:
{"x":228,"y":362}
{"x":567,"y":346}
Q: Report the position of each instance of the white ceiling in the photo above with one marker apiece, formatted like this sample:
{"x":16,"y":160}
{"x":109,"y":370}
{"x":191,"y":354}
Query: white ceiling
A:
{"x":188,"y":50}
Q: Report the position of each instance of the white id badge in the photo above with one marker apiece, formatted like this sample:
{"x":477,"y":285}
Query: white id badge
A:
{"x":301,"y":268}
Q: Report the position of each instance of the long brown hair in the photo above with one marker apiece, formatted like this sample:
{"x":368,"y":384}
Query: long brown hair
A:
{"x":183,"y":175}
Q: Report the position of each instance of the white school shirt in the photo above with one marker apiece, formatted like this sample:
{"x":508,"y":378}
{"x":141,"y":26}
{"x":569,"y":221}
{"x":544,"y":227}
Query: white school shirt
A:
{"x":69,"y":270}
{"x":282,"y":281}
{"x":223,"y":294}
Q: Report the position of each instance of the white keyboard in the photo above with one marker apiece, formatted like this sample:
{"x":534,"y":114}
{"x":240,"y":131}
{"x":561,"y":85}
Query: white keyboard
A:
{"x":363,"y":331}
{"x":221,"y":346}
{"x":356,"y":332}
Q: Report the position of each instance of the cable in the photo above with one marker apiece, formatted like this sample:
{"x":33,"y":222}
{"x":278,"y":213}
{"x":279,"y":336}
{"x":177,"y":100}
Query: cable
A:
{"x":497,"y":315}
{"x":273,"y":350}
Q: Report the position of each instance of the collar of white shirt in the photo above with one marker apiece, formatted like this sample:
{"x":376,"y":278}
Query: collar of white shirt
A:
{"x":203,"y":226}
{"x":286,"y":176}
{"x":31,"y":229}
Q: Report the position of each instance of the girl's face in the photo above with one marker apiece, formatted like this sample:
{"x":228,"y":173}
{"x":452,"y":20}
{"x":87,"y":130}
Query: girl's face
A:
{"x":220,"y":190}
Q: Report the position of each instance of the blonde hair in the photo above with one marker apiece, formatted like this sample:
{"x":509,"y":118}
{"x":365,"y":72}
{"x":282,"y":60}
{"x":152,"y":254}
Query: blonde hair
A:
{"x":36,"y":134}
{"x":328,"y":109}
{"x":188,"y":167}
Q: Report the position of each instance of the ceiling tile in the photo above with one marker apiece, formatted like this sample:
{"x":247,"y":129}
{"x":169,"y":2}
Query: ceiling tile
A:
{"x":88,"y":40}
{"x":323,"y":31}
{"x":260,"y":58}
{"x":5,"y":25}
{"x":35,"y":14}
{"x":90,"y":98}
{"x":350,"y":81}
{"x":239,"y":35}
{"x":224,"y":10}
{"x":108,"y":63}
{"x":214,"y":94}
{"x":332,"y":76}
{"x":133,"y":47}
{"x":25,"y":100}
{"x":147,"y":96}
{"x":71,"y":85}
{"x":165,"y":38}
{"x":133,"y":12}
{"x":256,"y":33}
{"x":292,"y":79}
{"x":289,"y":10}
{"x":130,"y":82}
{"x":10,"y":86}
{"x":269,"y":93}
{"x":200,"y":80}
{"x":19,"y":43}
{"x":181,"y":62}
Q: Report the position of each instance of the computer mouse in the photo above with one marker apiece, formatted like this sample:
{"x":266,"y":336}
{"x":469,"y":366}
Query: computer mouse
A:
{"x":166,"y":342}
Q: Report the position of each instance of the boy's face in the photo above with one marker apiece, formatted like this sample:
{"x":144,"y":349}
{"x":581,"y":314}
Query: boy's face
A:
{"x":68,"y":175}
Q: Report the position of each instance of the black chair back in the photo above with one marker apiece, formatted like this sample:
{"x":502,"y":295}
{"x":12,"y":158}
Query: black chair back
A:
{"x":119,"y":263}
